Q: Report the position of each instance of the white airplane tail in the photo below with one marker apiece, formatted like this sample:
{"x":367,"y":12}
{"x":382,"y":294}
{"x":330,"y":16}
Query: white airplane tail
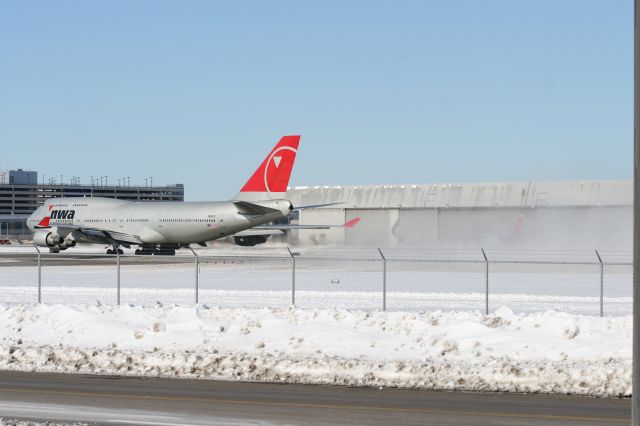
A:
{"x":270,"y":180}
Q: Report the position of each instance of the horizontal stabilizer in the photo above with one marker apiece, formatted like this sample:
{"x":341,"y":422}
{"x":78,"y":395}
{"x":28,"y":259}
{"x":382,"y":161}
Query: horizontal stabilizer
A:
{"x":315,"y":206}
{"x":352,"y":223}
{"x":251,"y":209}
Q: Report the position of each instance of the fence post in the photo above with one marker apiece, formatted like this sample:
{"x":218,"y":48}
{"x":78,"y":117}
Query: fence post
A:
{"x":486,"y":283}
{"x":601,"y":284}
{"x":39,"y":275}
{"x":384,"y":280}
{"x":118,"y":267}
{"x":293,"y":278}
{"x":197,"y":262}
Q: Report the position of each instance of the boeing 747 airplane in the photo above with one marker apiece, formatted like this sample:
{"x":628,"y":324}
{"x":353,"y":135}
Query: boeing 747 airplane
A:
{"x":163,"y":227}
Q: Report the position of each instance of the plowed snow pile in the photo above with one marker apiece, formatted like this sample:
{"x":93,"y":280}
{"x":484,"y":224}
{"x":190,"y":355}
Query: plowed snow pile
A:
{"x":545,"y":352}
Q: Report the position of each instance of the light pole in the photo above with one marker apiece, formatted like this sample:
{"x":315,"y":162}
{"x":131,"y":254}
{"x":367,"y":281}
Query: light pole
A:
{"x":635,"y":379}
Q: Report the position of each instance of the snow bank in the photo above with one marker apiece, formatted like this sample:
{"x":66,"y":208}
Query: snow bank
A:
{"x":551,"y":352}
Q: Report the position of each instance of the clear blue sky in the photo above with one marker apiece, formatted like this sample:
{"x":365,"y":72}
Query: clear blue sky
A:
{"x":381,"y":92}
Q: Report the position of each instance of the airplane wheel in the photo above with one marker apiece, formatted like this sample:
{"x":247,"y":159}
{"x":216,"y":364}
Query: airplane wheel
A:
{"x":109,"y":251}
{"x":120,"y":251}
{"x":138,"y":252}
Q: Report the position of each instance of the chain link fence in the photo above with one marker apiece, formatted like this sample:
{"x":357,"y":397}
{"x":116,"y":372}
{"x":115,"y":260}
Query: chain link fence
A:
{"x":584,"y":282}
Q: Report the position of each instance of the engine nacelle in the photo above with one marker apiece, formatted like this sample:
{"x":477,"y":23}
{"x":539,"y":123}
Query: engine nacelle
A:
{"x":69,"y":242}
{"x":52,"y":240}
{"x":251,"y":240}
{"x":47,"y":239}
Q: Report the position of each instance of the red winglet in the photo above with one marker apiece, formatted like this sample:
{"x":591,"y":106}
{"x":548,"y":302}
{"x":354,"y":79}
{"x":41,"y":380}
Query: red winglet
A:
{"x":274,"y":172}
{"x":351,"y":223}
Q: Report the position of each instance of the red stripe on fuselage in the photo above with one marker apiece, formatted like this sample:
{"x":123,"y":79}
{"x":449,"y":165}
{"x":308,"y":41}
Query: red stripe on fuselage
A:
{"x":44,"y":223}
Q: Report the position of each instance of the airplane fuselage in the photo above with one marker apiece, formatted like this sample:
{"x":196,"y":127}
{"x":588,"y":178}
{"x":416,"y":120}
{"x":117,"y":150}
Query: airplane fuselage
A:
{"x":61,"y":223}
{"x":149,"y":222}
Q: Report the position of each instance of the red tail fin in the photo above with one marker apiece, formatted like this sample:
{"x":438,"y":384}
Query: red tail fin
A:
{"x":270,"y":180}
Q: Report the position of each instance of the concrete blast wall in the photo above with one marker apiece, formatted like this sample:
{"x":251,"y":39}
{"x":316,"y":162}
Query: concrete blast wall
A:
{"x":567,"y":228}
{"x":563,"y":215}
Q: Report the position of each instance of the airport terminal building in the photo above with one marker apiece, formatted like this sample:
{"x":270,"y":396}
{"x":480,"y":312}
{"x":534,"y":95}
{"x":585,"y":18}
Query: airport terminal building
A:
{"x":21,"y":195}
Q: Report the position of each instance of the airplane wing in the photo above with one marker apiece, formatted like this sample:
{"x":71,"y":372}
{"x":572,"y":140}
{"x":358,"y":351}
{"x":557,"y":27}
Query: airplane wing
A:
{"x":109,"y":237}
{"x":349,"y":224}
{"x":259,"y":234}
{"x":253,"y":232}
{"x":123,"y":238}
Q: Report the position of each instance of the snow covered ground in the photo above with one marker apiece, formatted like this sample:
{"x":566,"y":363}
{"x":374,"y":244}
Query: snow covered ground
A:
{"x":396,"y":301}
{"x":355,"y":285}
{"x":548,"y":351}
{"x":13,"y":422}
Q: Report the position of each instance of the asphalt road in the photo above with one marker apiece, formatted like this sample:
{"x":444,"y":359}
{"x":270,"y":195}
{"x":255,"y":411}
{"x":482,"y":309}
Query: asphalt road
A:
{"x":136,"y":401}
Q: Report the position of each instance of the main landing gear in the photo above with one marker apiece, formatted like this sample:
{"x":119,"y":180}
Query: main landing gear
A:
{"x":156,"y":250}
{"x":115,"y":250}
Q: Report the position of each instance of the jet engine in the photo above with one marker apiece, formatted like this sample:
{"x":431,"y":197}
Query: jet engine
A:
{"x":250,"y":240}
{"x":52,"y":240}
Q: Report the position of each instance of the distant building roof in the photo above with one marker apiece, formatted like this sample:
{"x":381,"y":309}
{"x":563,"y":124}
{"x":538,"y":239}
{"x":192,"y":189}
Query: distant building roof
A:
{"x":470,"y":195}
{"x":4,"y":218}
